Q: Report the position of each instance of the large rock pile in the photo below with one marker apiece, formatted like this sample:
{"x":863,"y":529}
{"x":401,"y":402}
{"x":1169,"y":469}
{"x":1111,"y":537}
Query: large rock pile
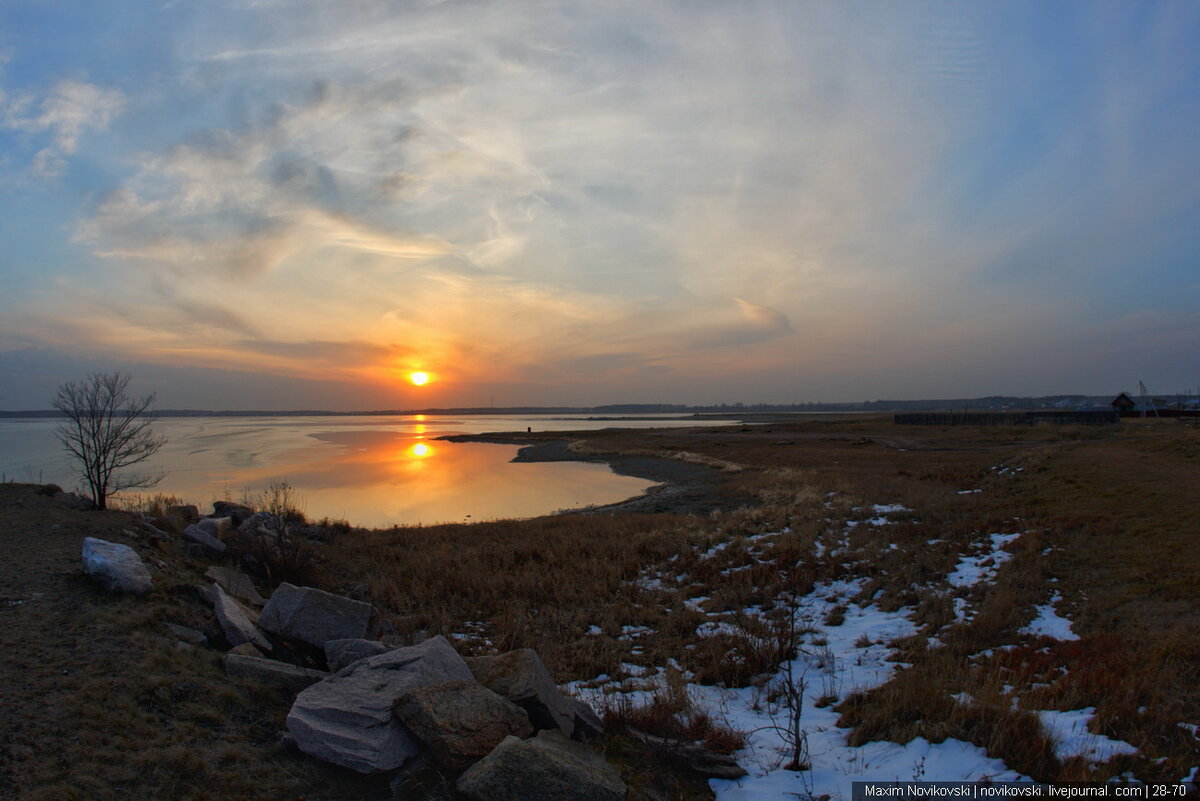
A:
{"x":412,"y":705}
{"x":499,"y":723}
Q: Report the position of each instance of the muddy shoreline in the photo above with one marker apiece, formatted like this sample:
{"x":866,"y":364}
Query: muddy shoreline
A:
{"x":679,"y":487}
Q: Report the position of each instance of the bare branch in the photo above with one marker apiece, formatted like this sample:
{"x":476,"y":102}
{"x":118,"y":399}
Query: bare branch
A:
{"x":107,"y":431}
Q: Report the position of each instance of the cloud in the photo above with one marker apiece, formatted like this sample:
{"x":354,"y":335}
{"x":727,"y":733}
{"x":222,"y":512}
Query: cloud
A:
{"x":625,"y":191}
{"x":66,"y":112}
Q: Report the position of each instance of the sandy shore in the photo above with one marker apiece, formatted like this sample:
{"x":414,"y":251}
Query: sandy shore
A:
{"x":680,"y":487}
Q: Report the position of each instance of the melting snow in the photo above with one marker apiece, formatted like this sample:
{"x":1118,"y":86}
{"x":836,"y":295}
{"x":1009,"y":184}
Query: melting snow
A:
{"x":839,"y":667}
{"x":1049,"y":623}
{"x":1070,"y":732}
{"x":973,"y":569}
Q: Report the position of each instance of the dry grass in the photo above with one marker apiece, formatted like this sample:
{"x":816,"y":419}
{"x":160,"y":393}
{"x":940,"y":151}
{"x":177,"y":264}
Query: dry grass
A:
{"x":1107,"y":518}
{"x":1100,"y":511}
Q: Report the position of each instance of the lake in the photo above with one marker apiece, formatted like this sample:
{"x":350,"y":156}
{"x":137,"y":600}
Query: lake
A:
{"x":371,"y":471}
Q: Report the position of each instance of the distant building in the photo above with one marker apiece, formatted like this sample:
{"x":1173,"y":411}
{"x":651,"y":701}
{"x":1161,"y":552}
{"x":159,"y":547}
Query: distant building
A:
{"x":1124,"y":403}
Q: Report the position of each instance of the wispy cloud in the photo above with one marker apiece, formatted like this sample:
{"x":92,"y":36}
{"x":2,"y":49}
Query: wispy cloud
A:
{"x":65,"y":113}
{"x":814,"y":197}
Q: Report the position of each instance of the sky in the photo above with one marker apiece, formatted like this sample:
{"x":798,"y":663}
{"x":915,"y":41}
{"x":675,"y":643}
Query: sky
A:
{"x":294,"y":204}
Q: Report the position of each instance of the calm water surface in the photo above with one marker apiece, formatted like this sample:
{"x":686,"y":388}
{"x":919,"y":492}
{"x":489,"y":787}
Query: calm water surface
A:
{"x":372,"y":471}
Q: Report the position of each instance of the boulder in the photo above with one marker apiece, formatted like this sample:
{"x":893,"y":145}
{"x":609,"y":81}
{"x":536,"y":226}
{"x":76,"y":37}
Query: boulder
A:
{"x":340,"y":653}
{"x":73,"y":501}
{"x":156,"y":534}
{"x":521,"y":677}
{"x":198,"y":536}
{"x":256,"y":523}
{"x":204,"y":594}
{"x":185,"y":512}
{"x":246,"y":649}
{"x":548,"y":767}
{"x":280,"y":674}
{"x":188,"y":634}
{"x":314,"y":616}
{"x":460,"y":721}
{"x":237,"y":584}
{"x":238,"y":512}
{"x":235,"y":622}
{"x":587,"y":723}
{"x":218,"y":527}
{"x":117,"y":567}
{"x":347,"y":718}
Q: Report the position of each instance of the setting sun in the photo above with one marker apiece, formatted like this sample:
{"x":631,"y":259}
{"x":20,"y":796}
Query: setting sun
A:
{"x":419,"y":379}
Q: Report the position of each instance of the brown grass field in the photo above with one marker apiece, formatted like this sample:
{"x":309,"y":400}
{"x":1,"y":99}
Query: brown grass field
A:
{"x":99,"y":703}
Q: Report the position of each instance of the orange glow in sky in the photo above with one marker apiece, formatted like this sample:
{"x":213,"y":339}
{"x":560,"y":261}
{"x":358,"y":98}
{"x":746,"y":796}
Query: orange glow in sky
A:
{"x":419,"y":379}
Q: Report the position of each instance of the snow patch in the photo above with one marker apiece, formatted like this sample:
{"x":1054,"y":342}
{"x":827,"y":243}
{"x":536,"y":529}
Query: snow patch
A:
{"x":973,"y":569}
{"x":1072,"y":738}
{"x":1049,"y":623}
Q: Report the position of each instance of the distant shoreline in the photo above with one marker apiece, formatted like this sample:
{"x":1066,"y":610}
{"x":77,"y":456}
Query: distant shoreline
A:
{"x":680,"y":487}
{"x":634,"y":411}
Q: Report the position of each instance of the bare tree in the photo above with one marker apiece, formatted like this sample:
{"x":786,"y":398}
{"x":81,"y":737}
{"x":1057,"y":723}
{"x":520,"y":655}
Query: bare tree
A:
{"x":107,"y":431}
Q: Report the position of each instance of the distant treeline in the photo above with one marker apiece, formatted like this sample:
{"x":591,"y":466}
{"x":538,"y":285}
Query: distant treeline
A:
{"x":990,"y":403}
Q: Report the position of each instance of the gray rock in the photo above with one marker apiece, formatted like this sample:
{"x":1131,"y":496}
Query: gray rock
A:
{"x":156,"y":534}
{"x":205,"y":594}
{"x":314,"y":616}
{"x":256,"y":523}
{"x":235,"y":622}
{"x":217,"y":527}
{"x":548,"y":767}
{"x":117,"y":567}
{"x":198,"y":536}
{"x":73,"y":501}
{"x":587,"y":723}
{"x":460,"y":721}
{"x":340,"y":653}
{"x":237,"y":584}
{"x":347,"y":718}
{"x":246,"y":649}
{"x":188,"y":635}
{"x":185,"y":512}
{"x":521,"y":677}
{"x":269,"y":671}
{"x":238,"y":512}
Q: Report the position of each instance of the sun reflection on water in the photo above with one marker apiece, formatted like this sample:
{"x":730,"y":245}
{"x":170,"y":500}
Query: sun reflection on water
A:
{"x":381,"y":477}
